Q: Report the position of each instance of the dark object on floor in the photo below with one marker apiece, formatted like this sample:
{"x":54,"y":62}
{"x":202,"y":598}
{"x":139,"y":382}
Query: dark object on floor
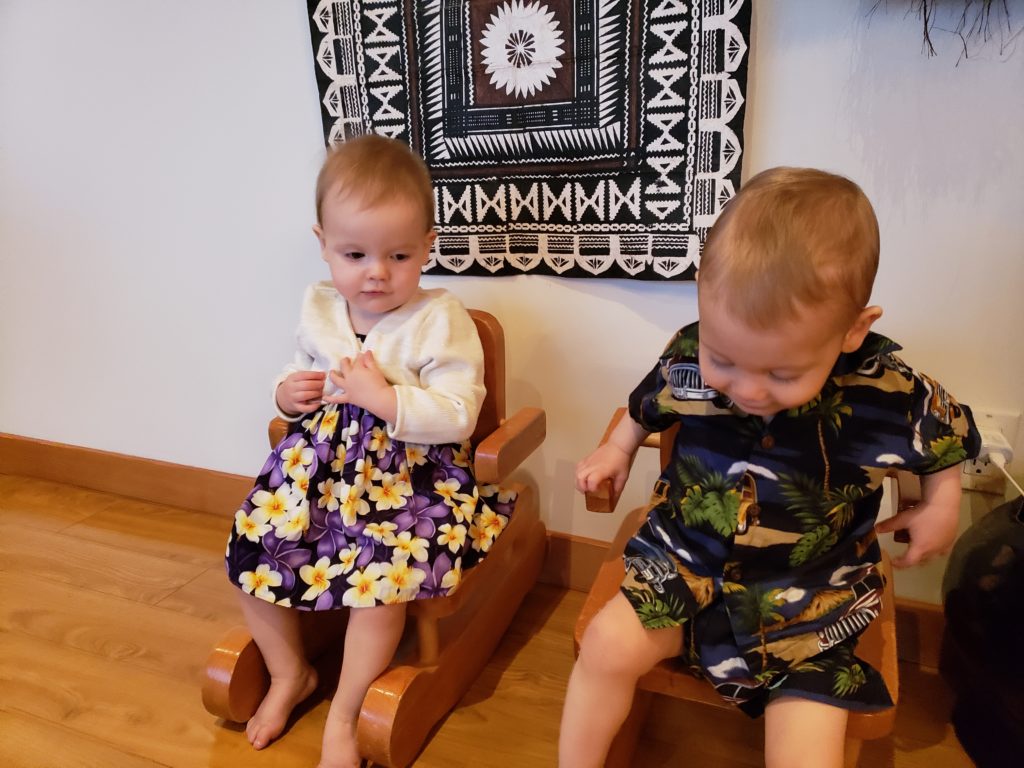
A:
{"x":981,"y":652}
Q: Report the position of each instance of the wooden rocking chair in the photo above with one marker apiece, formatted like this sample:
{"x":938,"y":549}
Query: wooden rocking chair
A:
{"x":877,"y":644}
{"x":448,"y":639}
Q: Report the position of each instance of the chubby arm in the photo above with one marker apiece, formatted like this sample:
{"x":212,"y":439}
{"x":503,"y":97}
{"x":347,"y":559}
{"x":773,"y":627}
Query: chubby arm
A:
{"x":612,"y":458}
{"x":932,"y":524}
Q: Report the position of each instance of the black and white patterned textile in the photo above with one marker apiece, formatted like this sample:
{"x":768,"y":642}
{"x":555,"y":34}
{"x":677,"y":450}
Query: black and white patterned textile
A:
{"x":581,"y":138}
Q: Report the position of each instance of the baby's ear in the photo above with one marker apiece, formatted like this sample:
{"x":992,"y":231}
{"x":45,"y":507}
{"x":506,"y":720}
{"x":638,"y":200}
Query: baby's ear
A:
{"x":855,"y":336}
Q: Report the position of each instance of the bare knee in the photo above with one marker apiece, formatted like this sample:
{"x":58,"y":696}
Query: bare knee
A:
{"x":800,"y":733}
{"x":616,"y":643}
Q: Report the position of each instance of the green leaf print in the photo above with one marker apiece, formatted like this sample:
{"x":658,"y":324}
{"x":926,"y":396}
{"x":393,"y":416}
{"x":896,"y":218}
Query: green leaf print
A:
{"x":813,"y":543}
{"x":711,"y":506}
{"x":842,"y":505}
{"x":848,"y":679}
{"x":945,"y":452}
{"x":653,"y":611}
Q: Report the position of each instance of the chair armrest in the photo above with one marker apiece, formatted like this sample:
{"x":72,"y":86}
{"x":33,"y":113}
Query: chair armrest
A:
{"x":276,"y":430}
{"x":605,"y":499}
{"x":907,"y":490}
{"x":508,"y":446}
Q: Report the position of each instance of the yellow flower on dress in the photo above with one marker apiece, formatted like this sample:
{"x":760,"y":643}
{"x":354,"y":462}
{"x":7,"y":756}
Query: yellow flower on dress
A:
{"x":300,"y":482}
{"x":405,"y":478}
{"x":480,"y":537}
{"x":260,"y":581}
{"x":463,"y":505}
{"x":253,"y":525}
{"x":364,"y":587}
{"x":415,"y":454}
{"x":298,"y":456}
{"x":347,"y":557}
{"x":366,"y":473}
{"x":380,"y":531}
{"x":319,"y":577}
{"x":461,"y":456}
{"x":352,"y":503}
{"x":446,"y":488}
{"x":339,"y":458}
{"x":389,"y":494}
{"x":453,"y":578}
{"x":492,"y":522}
{"x":400,"y":582}
{"x":348,"y":432}
{"x":379,"y":441}
{"x":328,"y":495}
{"x":310,"y":424}
{"x":406,"y":545}
{"x":328,"y":423}
{"x":452,"y":537}
{"x":296,"y":525}
{"x":277,"y":505}
{"x":505,"y":495}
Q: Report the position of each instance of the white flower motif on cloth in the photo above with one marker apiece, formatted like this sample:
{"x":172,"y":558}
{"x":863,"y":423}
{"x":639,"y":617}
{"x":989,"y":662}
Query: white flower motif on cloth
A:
{"x":521,"y":46}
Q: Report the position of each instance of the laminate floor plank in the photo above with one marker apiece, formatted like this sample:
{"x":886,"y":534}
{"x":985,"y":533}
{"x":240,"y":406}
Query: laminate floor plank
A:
{"x":58,"y":556}
{"x":28,"y":741}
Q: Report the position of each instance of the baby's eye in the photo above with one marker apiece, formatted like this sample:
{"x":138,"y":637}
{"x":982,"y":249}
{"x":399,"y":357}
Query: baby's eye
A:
{"x":783,"y":379}
{"x":719,"y":363}
{"x":400,"y":256}
{"x":354,"y":255}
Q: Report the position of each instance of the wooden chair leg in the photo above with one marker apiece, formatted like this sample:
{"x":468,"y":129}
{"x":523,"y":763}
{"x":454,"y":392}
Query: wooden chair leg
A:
{"x":620,"y":754}
{"x":851,"y":751}
{"x":236,"y":677}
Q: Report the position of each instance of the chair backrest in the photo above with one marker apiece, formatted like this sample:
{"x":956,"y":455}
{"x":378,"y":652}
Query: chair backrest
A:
{"x":492,"y":339}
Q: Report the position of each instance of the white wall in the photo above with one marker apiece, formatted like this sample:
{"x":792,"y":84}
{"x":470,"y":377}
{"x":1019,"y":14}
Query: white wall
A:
{"x":156,"y":172}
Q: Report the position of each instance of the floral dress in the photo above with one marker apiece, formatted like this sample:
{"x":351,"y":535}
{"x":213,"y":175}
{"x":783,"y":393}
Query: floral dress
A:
{"x":759,"y":540}
{"x":343,"y":515}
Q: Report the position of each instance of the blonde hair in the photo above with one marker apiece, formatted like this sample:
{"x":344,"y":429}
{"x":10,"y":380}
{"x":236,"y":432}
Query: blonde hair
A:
{"x":790,"y":238}
{"x":371,"y":169}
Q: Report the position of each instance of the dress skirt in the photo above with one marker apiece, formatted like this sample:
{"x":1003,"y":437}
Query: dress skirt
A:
{"x":343,"y":515}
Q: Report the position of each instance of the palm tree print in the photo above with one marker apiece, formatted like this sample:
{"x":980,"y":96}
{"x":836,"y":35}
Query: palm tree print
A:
{"x":758,"y":607}
{"x":829,"y":409}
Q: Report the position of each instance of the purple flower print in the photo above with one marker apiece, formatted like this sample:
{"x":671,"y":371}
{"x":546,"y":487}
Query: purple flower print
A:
{"x":431,"y":586}
{"x":420,"y":514}
{"x":284,"y":557}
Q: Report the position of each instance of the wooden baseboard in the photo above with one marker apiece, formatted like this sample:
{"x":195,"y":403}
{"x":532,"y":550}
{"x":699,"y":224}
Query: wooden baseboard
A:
{"x":572,"y":562}
{"x":160,"y":482}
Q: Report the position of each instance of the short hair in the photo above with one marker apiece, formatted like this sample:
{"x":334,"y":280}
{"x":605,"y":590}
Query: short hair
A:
{"x":374,"y":168}
{"x":793,"y":237}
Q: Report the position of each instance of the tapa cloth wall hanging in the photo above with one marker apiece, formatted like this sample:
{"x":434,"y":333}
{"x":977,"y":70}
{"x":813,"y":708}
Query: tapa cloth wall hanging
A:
{"x":581,"y":138}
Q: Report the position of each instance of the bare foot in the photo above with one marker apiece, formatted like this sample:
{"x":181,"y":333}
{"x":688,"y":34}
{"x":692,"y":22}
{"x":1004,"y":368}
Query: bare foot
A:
{"x":340,"y":749}
{"x":272,"y":715}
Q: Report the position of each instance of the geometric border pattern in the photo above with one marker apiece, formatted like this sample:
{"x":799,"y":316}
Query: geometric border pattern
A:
{"x":616,"y":165}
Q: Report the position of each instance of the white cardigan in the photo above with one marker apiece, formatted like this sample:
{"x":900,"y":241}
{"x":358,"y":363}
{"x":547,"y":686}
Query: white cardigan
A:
{"x":428,"y":349}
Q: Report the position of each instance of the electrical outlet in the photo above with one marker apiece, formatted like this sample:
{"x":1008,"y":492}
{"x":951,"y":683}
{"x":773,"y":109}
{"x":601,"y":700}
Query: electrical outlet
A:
{"x":983,"y":475}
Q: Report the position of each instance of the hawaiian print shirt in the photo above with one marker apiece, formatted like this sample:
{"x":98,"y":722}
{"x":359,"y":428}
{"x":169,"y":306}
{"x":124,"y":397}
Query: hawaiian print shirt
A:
{"x":776,"y":519}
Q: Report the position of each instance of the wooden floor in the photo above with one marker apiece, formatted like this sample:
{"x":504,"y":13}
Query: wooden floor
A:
{"x":110,"y":605}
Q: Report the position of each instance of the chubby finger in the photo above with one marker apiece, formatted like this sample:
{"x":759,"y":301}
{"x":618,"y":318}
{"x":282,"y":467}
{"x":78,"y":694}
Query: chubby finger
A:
{"x":307,"y":375}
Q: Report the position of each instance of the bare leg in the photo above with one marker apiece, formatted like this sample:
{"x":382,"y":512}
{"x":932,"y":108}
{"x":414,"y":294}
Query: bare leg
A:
{"x":616,"y":650}
{"x":292,"y":678}
{"x":372,"y":636}
{"x":800,"y":733}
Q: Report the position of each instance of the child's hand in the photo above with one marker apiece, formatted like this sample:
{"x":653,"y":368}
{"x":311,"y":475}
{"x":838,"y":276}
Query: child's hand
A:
{"x":301,"y":392}
{"x":607,"y":462}
{"x":361,"y":383}
{"x":933,"y":523}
